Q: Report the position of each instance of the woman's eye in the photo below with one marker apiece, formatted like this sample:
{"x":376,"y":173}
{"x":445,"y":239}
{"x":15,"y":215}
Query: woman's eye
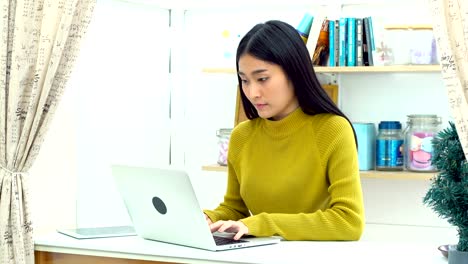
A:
{"x":263,"y":79}
{"x":244,"y":81}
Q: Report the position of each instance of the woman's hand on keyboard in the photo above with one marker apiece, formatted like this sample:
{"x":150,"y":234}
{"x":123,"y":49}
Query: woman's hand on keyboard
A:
{"x":237,"y":227}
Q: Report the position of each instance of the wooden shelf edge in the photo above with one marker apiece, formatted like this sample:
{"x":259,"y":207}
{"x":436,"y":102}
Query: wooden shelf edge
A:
{"x":403,"y":175}
{"x":377,"y":69}
{"x":214,"y":167}
{"x":357,"y":69}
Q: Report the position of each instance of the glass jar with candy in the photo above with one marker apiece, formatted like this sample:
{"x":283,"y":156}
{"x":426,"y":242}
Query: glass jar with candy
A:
{"x":223,"y":135}
{"x":420,"y":131}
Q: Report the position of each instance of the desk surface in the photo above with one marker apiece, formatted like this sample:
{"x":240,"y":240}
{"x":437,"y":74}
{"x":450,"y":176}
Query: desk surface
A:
{"x":379,"y":244}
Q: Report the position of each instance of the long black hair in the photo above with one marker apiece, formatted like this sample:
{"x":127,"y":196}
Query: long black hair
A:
{"x":279,"y":43}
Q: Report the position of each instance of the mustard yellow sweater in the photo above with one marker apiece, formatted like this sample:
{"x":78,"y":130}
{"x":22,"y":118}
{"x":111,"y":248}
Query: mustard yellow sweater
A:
{"x":297,"y":177}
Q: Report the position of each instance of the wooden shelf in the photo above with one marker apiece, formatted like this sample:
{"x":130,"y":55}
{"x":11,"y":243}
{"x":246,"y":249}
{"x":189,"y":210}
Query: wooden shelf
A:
{"x":357,"y":69}
{"x":404,"y":175}
{"x":214,"y":167}
{"x":377,"y":69}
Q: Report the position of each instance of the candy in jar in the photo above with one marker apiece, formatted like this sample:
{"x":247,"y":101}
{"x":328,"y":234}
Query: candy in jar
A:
{"x":420,"y":131}
{"x":223,"y":135}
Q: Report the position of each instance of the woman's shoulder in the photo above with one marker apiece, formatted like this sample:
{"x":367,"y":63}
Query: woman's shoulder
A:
{"x":331,"y":126}
{"x":329,"y":121}
{"x":245,"y":128}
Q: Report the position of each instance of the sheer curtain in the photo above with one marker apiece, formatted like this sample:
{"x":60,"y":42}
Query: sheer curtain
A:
{"x":40,"y":40}
{"x":451,"y":33}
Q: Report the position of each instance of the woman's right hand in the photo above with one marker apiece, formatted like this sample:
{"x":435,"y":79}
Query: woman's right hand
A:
{"x":208,"y":220}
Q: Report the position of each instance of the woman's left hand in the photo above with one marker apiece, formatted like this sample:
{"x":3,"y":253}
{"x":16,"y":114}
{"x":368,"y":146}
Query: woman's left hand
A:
{"x":230,"y":226}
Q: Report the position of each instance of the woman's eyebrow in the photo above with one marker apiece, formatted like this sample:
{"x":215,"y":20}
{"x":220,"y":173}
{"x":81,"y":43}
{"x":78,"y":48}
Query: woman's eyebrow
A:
{"x":254,"y":72}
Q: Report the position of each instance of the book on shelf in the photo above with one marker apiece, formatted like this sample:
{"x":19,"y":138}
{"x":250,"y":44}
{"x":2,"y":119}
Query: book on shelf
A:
{"x":371,"y":32}
{"x":334,"y":42}
{"x":331,"y":46}
{"x":343,"y":40}
{"x":367,"y":42}
{"x":337,"y":42}
{"x":349,"y":42}
{"x":314,"y":34}
{"x":359,"y":61}
{"x":321,"y":52}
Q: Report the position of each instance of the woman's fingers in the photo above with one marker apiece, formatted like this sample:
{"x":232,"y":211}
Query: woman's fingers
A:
{"x":230,"y":226}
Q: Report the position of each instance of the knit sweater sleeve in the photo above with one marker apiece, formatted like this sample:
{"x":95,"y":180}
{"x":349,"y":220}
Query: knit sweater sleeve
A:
{"x":343,"y":219}
{"x":233,"y":207}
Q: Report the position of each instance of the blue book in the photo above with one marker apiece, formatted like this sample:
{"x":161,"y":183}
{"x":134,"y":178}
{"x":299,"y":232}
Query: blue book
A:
{"x":359,"y":41}
{"x":371,"y":31}
{"x":351,"y":47}
{"x":337,"y":42}
{"x":367,"y":45}
{"x":331,"y":43}
{"x":342,"y":39}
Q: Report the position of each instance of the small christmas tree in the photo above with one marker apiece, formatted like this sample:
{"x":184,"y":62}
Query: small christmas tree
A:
{"x":448,"y":193}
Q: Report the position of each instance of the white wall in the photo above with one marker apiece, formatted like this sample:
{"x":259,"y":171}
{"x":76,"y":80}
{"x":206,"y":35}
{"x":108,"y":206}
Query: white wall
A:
{"x":116,"y":110}
{"x":122,"y":91}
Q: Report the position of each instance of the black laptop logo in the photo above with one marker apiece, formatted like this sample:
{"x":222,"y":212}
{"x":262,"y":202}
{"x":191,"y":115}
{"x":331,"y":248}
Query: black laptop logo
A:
{"x":159,"y":205}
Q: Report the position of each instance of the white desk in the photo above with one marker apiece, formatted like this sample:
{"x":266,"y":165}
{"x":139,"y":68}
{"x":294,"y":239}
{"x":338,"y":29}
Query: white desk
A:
{"x":379,"y":244}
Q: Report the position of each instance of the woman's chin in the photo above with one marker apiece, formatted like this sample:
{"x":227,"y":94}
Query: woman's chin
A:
{"x":264,"y":115}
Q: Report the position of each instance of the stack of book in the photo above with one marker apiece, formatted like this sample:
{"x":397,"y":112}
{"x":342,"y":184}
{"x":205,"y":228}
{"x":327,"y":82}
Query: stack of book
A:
{"x":348,"y":41}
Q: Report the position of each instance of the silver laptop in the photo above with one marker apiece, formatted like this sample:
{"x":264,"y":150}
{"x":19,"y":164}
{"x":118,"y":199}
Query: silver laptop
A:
{"x":163,"y":207}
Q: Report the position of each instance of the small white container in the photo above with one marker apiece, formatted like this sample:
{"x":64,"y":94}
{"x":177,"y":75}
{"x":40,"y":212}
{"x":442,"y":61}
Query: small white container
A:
{"x":422,"y":46}
{"x":399,"y":45}
{"x":410,"y":44}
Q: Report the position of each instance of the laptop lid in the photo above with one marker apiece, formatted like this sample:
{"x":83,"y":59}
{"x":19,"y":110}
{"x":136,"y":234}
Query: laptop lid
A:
{"x":163,"y":206}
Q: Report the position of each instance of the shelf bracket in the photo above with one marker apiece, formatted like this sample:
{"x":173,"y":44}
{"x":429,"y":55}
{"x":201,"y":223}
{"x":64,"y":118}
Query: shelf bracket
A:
{"x":327,"y":78}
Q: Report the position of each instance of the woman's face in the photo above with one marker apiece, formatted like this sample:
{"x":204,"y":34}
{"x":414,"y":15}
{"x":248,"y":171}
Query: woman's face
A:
{"x":267,"y":87}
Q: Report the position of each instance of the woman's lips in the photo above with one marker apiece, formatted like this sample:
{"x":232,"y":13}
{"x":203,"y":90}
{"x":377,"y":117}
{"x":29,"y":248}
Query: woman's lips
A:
{"x":260,"y":106}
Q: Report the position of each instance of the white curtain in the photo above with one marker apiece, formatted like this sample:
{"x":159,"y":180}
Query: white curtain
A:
{"x":39,"y":42}
{"x":451,"y":33}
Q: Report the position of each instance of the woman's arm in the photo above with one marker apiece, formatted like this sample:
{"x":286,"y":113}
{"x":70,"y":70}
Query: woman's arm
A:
{"x":233,"y":207}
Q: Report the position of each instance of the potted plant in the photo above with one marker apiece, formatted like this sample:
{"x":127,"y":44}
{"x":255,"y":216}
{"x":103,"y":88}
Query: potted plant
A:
{"x":448,"y":193}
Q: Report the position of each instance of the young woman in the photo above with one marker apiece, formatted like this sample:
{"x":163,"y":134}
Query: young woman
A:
{"x":293,"y":167}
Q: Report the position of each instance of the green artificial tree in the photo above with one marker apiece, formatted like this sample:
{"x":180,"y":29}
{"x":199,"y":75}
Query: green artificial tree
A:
{"x":448,"y":193}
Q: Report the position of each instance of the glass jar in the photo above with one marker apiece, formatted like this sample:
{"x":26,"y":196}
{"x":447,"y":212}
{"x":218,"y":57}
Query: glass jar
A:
{"x":420,"y":131}
{"x":223,"y":135}
{"x":389,"y":146}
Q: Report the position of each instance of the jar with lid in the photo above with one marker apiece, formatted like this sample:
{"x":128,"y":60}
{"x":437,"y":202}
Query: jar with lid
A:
{"x":420,"y":131}
{"x":389,"y":146}
{"x":223,"y":135}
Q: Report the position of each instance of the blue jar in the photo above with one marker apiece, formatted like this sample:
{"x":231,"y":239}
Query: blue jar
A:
{"x":366,"y":136}
{"x":389,"y":147}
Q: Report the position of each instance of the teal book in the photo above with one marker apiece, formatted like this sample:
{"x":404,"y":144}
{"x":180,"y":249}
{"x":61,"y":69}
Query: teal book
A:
{"x":351,"y":44}
{"x":331,"y":45}
{"x":371,"y":31}
{"x":343,"y":41}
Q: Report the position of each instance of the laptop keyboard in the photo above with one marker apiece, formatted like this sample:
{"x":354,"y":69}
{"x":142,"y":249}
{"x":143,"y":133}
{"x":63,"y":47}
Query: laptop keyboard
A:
{"x":220,"y":241}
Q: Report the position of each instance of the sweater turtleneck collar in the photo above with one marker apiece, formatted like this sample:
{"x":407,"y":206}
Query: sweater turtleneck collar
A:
{"x":285,"y":126}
